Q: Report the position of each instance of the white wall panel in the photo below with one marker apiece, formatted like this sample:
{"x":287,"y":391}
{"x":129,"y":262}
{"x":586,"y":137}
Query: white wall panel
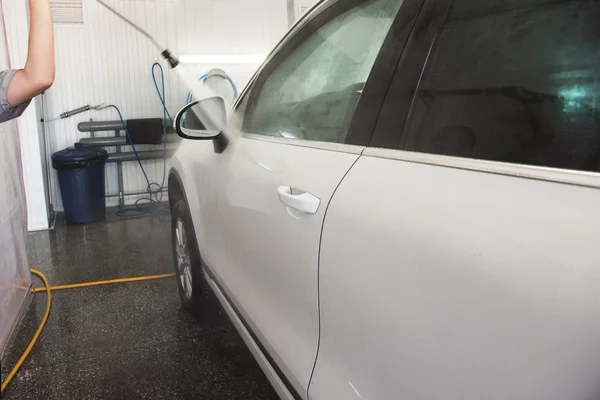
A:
{"x":302,"y":6}
{"x":107,"y":61}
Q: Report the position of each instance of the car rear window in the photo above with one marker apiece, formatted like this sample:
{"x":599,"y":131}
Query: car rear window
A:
{"x":513,"y":81}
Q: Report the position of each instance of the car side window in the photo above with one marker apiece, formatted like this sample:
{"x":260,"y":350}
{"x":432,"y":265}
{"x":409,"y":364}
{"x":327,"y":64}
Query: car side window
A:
{"x":312,"y":93}
{"x":515,"y":81}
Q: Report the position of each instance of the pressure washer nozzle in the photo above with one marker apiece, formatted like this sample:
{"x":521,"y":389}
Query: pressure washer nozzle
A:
{"x":76,"y":111}
{"x":173,"y":61}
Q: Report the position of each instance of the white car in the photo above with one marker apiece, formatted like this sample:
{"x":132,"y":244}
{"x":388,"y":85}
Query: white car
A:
{"x":405,"y":202}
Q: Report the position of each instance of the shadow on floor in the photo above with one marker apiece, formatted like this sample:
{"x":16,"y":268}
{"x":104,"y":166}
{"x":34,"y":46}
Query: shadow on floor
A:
{"x":126,"y":341}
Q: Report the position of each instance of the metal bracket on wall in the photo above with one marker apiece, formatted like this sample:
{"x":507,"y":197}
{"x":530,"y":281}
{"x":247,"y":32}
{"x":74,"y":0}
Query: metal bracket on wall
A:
{"x":120,"y":175}
{"x":291,"y":12}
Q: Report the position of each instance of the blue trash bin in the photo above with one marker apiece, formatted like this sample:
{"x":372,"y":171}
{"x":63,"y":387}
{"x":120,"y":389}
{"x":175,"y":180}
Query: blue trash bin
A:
{"x":81,"y":178}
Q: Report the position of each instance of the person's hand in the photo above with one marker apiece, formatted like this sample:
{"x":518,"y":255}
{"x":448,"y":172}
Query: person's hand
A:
{"x":39,"y":71}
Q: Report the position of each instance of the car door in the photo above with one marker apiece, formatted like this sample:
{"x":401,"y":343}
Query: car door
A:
{"x":264,"y":198}
{"x":476,"y":275}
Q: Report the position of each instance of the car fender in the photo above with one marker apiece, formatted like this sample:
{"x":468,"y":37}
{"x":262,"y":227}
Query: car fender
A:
{"x":186,"y":173}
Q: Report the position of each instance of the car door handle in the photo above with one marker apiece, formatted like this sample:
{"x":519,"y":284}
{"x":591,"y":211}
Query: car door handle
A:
{"x":304,"y":202}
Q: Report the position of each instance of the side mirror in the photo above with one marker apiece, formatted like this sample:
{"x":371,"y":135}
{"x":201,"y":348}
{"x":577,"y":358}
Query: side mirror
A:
{"x":202,"y":119}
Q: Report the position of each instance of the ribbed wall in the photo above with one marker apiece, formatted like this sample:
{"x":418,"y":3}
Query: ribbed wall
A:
{"x":106,"y":61}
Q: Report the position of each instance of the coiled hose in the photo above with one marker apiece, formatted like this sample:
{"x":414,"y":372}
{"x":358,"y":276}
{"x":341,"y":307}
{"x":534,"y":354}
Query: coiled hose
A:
{"x":155,"y":190}
{"x":203,"y":78}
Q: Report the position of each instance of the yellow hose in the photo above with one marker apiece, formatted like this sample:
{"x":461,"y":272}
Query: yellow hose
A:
{"x":48,"y":289}
{"x":110,"y":282}
{"x":35,"y":337}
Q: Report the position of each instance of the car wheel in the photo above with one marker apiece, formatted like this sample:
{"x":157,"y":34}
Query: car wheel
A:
{"x":186,"y":256}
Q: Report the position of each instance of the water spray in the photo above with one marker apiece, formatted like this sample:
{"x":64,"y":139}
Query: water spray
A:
{"x":190,"y":81}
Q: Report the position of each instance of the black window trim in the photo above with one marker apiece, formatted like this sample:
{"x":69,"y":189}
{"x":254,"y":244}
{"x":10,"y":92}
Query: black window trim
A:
{"x":408,"y":73}
{"x":366,"y":114}
{"x":374,"y":93}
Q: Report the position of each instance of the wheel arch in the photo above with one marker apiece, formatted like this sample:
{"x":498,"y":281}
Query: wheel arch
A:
{"x":179,"y":187}
{"x":176,"y":190}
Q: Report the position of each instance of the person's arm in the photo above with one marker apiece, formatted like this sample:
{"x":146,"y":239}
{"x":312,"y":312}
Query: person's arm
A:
{"x":38,"y":74}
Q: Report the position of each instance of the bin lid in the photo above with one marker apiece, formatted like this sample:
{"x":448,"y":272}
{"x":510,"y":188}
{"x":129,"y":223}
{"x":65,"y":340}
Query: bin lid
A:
{"x":72,"y":155}
{"x":73,"y":158}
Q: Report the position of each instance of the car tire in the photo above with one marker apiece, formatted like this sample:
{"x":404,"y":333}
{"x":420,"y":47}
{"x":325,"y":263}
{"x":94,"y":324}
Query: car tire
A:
{"x":186,"y":257}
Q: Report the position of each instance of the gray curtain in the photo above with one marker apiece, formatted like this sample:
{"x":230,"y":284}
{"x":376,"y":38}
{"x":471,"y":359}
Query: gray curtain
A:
{"x":15,"y":279}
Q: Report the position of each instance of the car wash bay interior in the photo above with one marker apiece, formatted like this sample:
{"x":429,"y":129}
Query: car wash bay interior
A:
{"x":128,"y":340}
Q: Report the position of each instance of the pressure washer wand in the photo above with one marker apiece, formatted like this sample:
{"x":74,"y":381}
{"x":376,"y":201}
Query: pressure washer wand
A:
{"x":173,"y":61}
{"x":76,"y":111}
